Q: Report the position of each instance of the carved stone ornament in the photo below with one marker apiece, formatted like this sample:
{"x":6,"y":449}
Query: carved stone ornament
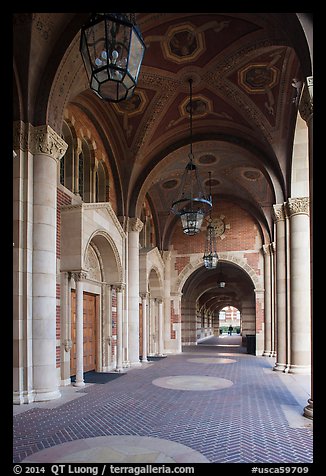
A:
{"x":67,"y":344}
{"x":278,"y":212}
{"x":135,"y":224}
{"x":79,"y":275}
{"x":44,"y":140}
{"x":297,"y":206}
{"x":306,"y":102}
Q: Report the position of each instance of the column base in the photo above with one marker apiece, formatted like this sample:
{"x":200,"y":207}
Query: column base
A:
{"x":45,"y":396}
{"x":309,"y":409}
{"x":79,"y":384}
{"x":300,"y":369}
{"x":120,"y":371}
{"x":266,"y":353}
{"x":137,"y":363}
{"x":19,"y":398}
{"x":144,"y":360}
{"x":279,"y":367}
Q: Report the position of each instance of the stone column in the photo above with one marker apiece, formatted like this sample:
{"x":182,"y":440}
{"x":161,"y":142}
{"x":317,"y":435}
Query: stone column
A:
{"x":268,"y":301}
{"x":144,"y":297}
{"x":151,"y":326}
{"x":23,"y":391}
{"x":298,"y":211}
{"x":160,"y":327}
{"x":281,"y":305}
{"x":167,"y":299}
{"x":273,"y":300}
{"x":47,"y":148}
{"x":107,"y":327}
{"x":306,"y":112}
{"x":119,"y":290}
{"x":135,"y":226}
{"x":66,"y":342}
{"x":79,"y":278}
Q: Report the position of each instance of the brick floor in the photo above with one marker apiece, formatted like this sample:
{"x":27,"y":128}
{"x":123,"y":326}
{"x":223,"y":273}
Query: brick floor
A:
{"x":244,"y":423}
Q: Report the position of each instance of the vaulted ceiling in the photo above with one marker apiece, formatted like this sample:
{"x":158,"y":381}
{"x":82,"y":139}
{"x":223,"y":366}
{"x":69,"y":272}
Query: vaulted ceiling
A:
{"x":247,"y":71}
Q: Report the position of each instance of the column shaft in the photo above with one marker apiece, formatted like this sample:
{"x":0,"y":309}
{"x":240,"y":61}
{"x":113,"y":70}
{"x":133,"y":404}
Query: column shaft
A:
{"x":268,"y":303}
{"x":299,"y":285}
{"x":160,"y":327}
{"x":47,"y":147}
{"x":79,"y":332}
{"x":144,"y":309}
{"x":135,"y":226}
{"x":281,"y":315}
{"x":119,"y":329}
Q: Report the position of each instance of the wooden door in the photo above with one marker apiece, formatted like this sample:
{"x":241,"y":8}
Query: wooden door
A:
{"x":90,"y":306}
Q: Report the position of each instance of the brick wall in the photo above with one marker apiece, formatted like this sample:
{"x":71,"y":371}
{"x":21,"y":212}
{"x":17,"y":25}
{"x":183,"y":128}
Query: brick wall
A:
{"x":84,"y":127}
{"x":241,"y":236}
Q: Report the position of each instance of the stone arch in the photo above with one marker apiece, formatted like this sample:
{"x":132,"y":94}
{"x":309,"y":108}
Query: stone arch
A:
{"x":155,"y":282}
{"x":227,"y":257}
{"x":108,"y":254}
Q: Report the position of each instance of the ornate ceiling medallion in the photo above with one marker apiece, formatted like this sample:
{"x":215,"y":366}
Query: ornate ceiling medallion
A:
{"x":257,"y":78}
{"x":134,"y":106}
{"x":183,"y":43}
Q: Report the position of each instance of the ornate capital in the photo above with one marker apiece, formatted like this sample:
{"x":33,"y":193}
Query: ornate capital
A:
{"x":79,"y":275}
{"x":306,"y":102}
{"x":144,"y":295}
{"x":119,"y":287}
{"x":44,"y":140}
{"x":278,"y":212}
{"x":297,"y":206}
{"x":135,"y":224}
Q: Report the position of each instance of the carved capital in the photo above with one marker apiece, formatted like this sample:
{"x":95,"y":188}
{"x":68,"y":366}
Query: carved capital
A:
{"x":135,"y":224}
{"x":278,"y":212}
{"x":144,"y":295}
{"x":119,"y":287}
{"x":306,"y":102}
{"x":79,"y":275}
{"x":44,"y":140}
{"x":297,"y":206}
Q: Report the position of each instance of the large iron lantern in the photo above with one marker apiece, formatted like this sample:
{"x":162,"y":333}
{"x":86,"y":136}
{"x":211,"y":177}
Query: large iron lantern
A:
{"x":112,"y":49}
{"x":192,"y":204}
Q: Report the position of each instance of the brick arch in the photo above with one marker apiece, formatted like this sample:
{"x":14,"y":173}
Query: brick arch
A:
{"x":198,"y":262}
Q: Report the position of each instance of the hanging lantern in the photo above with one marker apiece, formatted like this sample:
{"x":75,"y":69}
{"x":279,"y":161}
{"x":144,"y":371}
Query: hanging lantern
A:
{"x":191,"y":204}
{"x":210,"y":256}
{"x":112,"y":49}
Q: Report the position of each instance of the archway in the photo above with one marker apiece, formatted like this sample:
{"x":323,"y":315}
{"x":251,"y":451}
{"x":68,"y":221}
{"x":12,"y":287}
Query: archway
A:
{"x":203,"y":298}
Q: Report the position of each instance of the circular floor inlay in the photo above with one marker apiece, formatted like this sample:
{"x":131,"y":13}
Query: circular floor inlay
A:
{"x":212,"y":360}
{"x":192,"y":382}
{"x":118,"y":449}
